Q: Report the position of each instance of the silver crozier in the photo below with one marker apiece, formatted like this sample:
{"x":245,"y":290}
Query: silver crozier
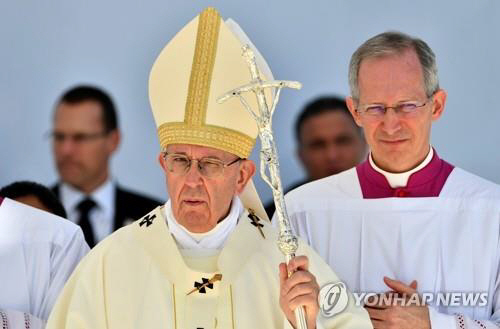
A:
{"x":287,"y":242}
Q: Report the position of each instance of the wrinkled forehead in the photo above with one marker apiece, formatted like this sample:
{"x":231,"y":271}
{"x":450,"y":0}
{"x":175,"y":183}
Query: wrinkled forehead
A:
{"x":398,"y":75}
{"x":199,"y":151}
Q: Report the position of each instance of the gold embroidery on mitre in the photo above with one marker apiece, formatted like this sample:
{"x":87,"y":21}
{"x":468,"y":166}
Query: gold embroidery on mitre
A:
{"x":193,"y":129}
{"x":225,"y":139}
{"x":202,"y":68}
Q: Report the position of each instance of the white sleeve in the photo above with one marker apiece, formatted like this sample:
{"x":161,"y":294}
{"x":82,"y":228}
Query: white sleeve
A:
{"x":10,"y":319}
{"x":448,"y":321}
{"x":460,"y":321}
{"x":466,"y":322}
{"x":63,"y":261}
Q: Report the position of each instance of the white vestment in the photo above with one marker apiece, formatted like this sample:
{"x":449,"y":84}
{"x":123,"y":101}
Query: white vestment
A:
{"x":38,"y":253}
{"x":448,"y":243}
{"x":138,"y":278}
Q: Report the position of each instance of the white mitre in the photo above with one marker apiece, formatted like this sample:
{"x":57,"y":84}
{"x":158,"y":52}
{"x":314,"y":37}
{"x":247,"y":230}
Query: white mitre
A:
{"x":201,"y":63}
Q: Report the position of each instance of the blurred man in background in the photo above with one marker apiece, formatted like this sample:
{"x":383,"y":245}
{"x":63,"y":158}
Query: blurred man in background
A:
{"x":328,"y":140}
{"x":85,"y":136}
{"x":35,"y":195}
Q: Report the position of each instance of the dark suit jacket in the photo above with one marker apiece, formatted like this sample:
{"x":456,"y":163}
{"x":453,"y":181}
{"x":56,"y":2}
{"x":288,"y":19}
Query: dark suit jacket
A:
{"x":129,"y":205}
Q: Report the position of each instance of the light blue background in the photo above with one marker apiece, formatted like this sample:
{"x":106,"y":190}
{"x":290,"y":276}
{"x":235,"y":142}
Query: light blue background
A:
{"x":47,"y":46}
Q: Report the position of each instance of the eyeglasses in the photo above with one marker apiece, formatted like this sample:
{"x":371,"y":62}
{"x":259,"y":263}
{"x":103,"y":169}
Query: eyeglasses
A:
{"x":78,"y":138}
{"x":180,"y":164}
{"x":377,"y":111}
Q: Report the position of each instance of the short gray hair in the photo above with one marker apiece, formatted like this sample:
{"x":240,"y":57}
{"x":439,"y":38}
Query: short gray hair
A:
{"x":392,"y":43}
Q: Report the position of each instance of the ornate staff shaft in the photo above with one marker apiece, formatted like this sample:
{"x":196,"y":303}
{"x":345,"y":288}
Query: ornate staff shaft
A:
{"x":287,"y":241}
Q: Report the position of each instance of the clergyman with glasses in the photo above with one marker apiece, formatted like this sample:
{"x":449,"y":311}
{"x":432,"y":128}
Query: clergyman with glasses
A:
{"x":209,"y":257}
{"x":85,"y":135}
{"x":405,"y":220}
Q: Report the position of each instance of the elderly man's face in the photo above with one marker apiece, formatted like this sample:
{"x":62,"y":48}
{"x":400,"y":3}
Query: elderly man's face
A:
{"x":399,"y":142}
{"x":199,"y":202}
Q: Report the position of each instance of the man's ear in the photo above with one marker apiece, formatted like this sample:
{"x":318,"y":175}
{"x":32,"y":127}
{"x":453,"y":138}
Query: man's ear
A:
{"x":246,"y":171}
{"x":438,"y":103}
{"x":351,"y":105}
{"x":162,"y":162}
{"x":114,"y":138}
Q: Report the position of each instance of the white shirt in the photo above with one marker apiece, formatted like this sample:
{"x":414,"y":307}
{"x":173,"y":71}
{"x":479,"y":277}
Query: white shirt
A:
{"x":396,"y":180}
{"x":38,"y":252}
{"x":211,"y":240}
{"x":102,"y":216}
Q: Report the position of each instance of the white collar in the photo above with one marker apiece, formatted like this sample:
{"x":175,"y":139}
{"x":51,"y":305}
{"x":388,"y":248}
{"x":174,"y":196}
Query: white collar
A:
{"x":103,"y":196}
{"x":213,"y":239}
{"x":401,"y":179}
